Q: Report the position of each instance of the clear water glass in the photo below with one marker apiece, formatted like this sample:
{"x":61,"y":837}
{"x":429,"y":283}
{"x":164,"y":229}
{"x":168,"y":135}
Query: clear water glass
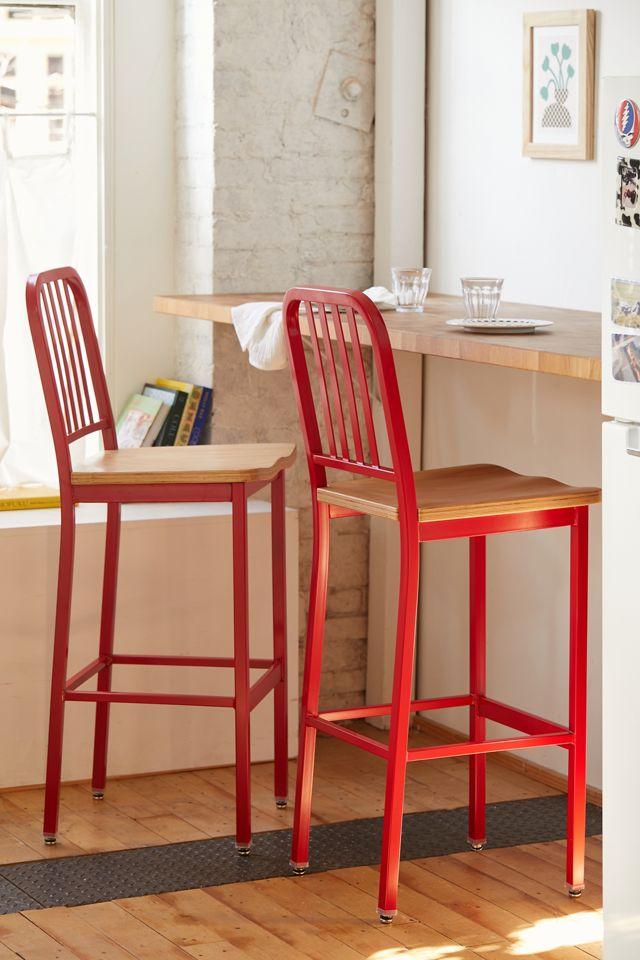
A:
{"x":410,"y":287}
{"x":481,"y":297}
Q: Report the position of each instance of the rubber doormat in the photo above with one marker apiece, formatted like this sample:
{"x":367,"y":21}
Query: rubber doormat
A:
{"x":93,"y":878}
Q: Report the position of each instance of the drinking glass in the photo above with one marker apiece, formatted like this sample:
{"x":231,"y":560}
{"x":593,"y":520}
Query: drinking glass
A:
{"x":410,"y":287}
{"x":481,"y":297}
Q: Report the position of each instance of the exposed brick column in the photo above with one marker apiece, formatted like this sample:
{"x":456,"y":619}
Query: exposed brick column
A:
{"x":292,"y":202}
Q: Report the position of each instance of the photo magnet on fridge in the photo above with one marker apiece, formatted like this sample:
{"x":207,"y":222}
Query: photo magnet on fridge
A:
{"x":625,"y":357}
{"x":625,"y":302}
{"x":627,"y":195}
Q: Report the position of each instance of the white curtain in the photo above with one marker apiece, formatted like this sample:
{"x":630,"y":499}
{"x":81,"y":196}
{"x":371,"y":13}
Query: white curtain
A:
{"x":47,"y":209}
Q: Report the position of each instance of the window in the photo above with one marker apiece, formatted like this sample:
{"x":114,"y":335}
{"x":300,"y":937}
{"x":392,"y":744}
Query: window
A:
{"x":39,"y":43}
{"x":55,"y":64}
{"x":49,"y":197}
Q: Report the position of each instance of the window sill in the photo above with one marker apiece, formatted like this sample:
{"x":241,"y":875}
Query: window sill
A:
{"x":87,"y":513}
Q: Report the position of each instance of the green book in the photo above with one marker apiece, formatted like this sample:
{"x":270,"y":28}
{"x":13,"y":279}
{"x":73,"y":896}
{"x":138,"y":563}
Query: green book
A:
{"x":136,"y":420}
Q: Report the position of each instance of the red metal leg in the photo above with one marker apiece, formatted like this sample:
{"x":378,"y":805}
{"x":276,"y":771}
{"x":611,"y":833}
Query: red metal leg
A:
{"x":278,"y":574}
{"x":107,"y":624}
{"x":399,"y":732}
{"x":59,"y":670}
{"x":478,"y":683}
{"x":311,"y":687}
{"x":577,"y":799}
{"x":241,"y":669}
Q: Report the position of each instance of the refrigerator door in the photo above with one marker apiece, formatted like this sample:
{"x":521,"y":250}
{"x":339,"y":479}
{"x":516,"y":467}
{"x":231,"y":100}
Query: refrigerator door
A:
{"x":620,"y":152}
{"x":621,"y":688}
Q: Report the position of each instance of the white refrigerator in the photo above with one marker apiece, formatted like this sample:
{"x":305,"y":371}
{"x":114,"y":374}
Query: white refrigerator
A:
{"x":620,"y":157}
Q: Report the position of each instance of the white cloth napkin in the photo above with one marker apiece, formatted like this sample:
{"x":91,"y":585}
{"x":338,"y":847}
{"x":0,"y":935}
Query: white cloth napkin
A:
{"x":383,"y":298}
{"x":260,"y":329}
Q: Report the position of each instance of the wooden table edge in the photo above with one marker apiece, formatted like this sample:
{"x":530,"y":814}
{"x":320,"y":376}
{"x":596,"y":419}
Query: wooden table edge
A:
{"x":459,"y":346}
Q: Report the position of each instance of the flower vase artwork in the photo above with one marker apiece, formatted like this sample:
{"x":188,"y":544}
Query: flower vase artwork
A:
{"x":556,"y":113}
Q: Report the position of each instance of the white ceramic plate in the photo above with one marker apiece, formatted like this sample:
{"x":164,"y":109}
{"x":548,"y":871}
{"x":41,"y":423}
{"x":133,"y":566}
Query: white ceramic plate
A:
{"x":497,"y":325}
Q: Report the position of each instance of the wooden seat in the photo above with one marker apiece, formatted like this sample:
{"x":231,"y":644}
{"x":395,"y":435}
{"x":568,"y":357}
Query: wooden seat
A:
{"x":474,"y":490}
{"x":222,"y":463}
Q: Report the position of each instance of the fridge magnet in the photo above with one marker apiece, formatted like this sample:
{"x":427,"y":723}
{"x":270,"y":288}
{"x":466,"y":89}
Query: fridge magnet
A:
{"x":559,"y":84}
{"x":627,"y":123}
{"x":625,"y":357}
{"x":628,"y":186}
{"x":625,"y":302}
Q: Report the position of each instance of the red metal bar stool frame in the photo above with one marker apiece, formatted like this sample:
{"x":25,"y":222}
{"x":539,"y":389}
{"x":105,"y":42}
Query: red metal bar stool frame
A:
{"x":78,"y":404}
{"x":355,"y":319}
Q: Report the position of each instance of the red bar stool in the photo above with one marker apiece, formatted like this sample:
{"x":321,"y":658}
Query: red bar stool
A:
{"x":470,"y":501}
{"x":77,"y":401}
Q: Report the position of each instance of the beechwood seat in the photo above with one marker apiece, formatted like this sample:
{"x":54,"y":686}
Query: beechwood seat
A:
{"x":77,"y":401}
{"x":335,"y":402}
{"x":456,"y":493}
{"x":249,"y":463}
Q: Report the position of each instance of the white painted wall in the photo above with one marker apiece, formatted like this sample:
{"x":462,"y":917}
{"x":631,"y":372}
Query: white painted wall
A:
{"x":492,"y":211}
{"x":139,"y":189}
{"x":537,"y":223}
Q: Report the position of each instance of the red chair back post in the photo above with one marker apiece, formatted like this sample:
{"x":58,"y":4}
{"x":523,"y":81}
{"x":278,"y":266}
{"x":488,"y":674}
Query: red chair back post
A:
{"x":69,"y":362}
{"x":336,"y":320}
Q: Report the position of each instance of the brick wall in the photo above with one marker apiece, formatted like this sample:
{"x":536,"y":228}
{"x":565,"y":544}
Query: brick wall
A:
{"x":292,"y":203}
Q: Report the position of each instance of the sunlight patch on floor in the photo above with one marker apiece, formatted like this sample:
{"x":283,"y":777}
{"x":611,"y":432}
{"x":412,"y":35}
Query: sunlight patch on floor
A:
{"x":418,"y":953}
{"x":569,"y":931}
{"x":574,"y":930}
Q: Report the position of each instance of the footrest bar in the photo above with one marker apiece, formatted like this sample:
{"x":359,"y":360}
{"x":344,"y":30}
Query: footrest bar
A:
{"x":349,"y":736}
{"x":264,"y":685}
{"x":149,"y":660}
{"x":517,"y":719}
{"x":471,"y":747}
{"x":384,"y":709}
{"x":86,"y":673}
{"x":172,"y":699}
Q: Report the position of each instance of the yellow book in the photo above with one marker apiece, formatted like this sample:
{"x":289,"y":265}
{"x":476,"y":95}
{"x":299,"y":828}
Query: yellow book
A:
{"x":188,"y":417}
{"x":28,"y":498}
{"x":189,"y":413}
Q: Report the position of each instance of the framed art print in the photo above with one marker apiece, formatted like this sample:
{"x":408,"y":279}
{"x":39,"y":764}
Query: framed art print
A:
{"x":559,"y":84}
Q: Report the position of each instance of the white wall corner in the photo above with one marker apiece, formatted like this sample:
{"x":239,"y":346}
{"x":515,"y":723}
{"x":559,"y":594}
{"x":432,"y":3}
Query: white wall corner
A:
{"x":401,"y":32}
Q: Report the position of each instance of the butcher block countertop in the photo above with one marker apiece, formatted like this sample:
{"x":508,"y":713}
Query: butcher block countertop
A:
{"x":571,"y":348}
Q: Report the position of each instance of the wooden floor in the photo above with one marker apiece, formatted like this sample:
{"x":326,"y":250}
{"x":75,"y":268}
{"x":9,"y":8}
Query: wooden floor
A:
{"x":498,"y":904}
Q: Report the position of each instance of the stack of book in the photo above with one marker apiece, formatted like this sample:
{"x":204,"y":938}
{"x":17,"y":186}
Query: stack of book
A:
{"x":167,"y":413}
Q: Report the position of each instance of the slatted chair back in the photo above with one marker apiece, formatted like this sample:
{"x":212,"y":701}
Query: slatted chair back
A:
{"x":69,"y":362}
{"x":334,"y":395}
